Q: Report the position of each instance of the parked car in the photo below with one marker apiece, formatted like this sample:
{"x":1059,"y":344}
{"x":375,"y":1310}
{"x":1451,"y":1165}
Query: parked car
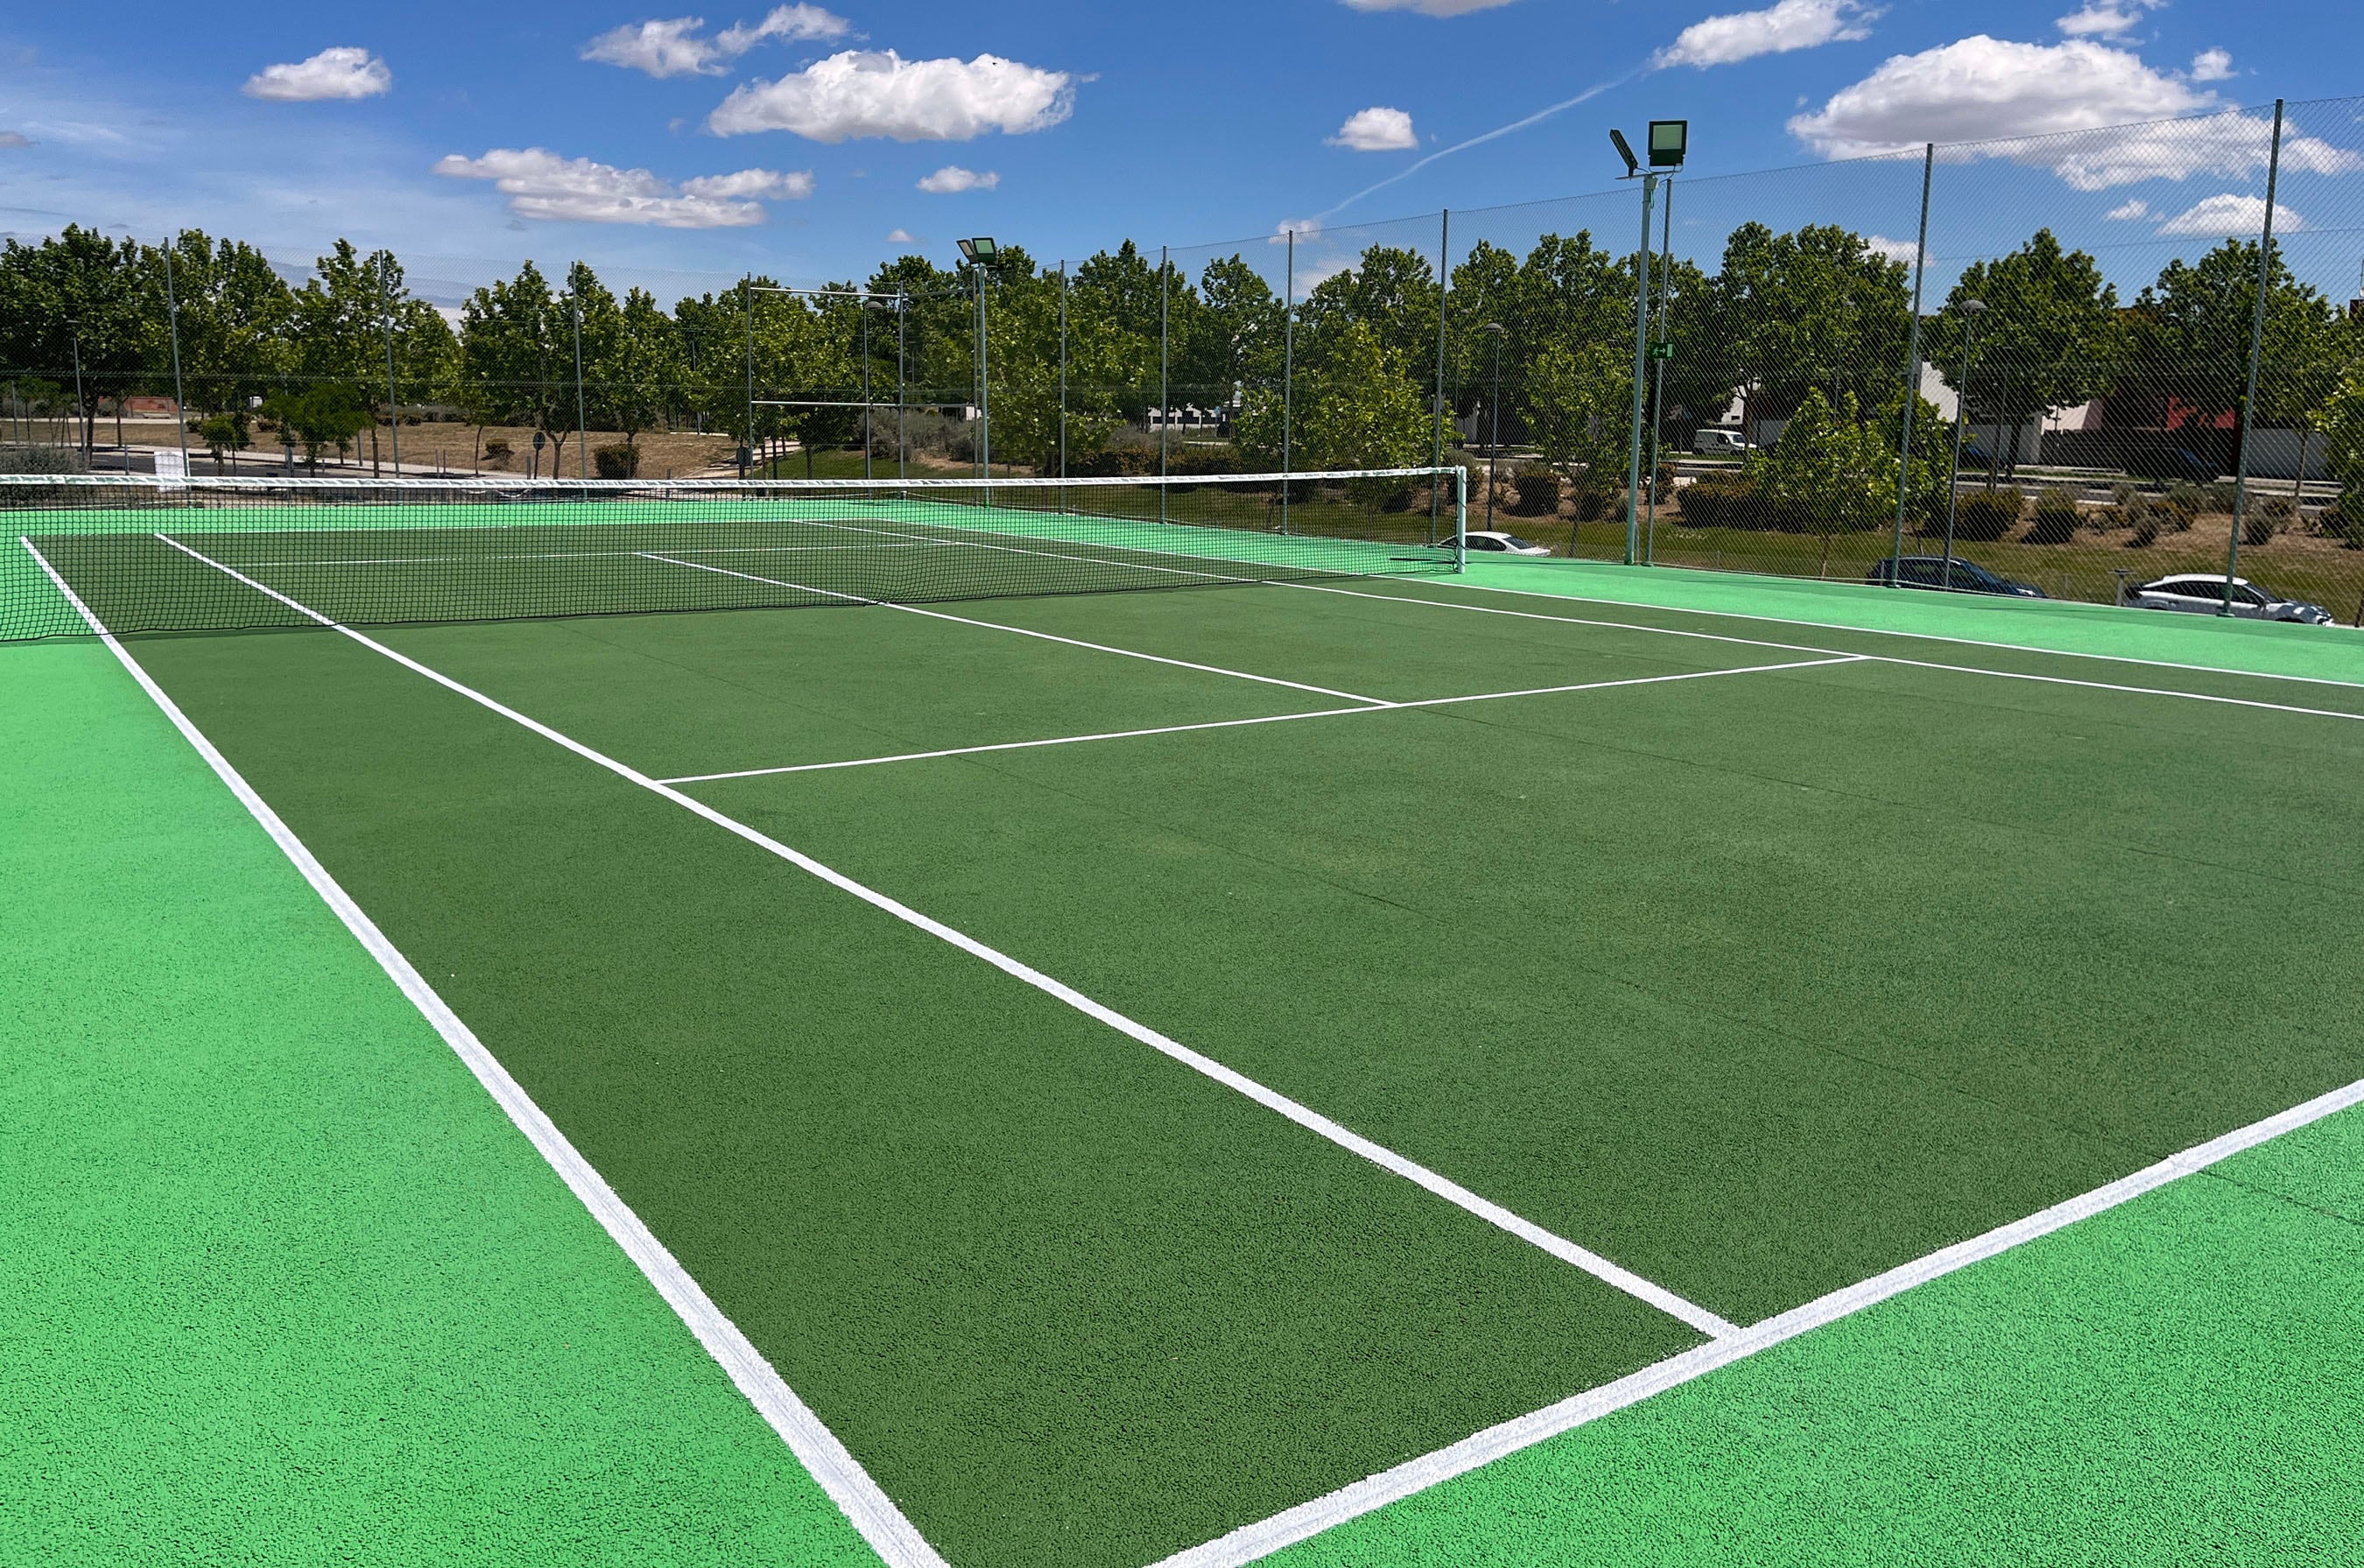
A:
{"x":2208,"y":593}
{"x":1710,"y":444}
{"x":2178,"y":464}
{"x":1502,"y":544}
{"x":1936,"y":572}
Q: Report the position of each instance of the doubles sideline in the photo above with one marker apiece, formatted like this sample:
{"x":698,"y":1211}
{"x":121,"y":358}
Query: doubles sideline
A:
{"x":1688,"y":1312}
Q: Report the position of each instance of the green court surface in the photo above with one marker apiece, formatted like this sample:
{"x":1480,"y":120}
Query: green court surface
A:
{"x":1134,"y":1065}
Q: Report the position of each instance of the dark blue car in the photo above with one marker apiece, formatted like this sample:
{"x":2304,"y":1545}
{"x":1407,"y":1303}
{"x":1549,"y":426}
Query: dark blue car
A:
{"x":1936,"y":572}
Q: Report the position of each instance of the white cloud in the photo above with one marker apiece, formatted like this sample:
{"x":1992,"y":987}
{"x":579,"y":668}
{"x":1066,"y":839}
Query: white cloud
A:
{"x":541,"y":184}
{"x":899,"y":237}
{"x":2229,"y":214}
{"x":2106,"y":19}
{"x":15,"y":138}
{"x":332,"y":73}
{"x":2129,"y":212}
{"x":1375,"y":130}
{"x":952,"y":179}
{"x":1427,"y":8}
{"x":1744,"y":35}
{"x":1904,"y":250}
{"x":2212,"y":65}
{"x":672,"y":47}
{"x":1982,"y":89}
{"x":1303,"y":228}
{"x":862,"y":93}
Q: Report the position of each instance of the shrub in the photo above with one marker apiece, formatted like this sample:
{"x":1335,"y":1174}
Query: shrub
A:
{"x":618,"y":461}
{"x":2057,"y":518}
{"x":2268,"y":516}
{"x":1987,"y":514}
{"x":41,"y":459}
{"x":2146,"y":528}
{"x":1538,"y":491}
{"x":2343,"y":520}
{"x":1591,"y":504}
{"x":2123,"y":492}
{"x":497,"y":452}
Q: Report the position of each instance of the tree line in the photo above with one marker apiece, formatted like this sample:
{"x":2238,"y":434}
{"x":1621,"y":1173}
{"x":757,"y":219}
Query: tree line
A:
{"x":1374,"y":355}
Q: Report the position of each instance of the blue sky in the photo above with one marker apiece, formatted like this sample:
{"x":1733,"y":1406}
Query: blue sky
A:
{"x":697,"y":139}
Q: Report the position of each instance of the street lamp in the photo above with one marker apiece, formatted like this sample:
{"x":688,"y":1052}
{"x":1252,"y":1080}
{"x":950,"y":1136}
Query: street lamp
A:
{"x":1971,"y":309}
{"x":1496,"y":331}
{"x":981,"y":254}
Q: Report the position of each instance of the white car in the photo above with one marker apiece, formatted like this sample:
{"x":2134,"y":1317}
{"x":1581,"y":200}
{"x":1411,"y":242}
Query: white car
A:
{"x":1708,"y":443}
{"x":2208,"y":593}
{"x":1502,"y":544}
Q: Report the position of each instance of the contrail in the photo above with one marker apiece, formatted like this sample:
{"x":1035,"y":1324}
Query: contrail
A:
{"x":1540,"y":115}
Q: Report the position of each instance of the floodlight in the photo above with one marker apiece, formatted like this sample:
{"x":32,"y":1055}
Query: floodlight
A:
{"x":1633,"y":165}
{"x":1668,"y":139}
{"x":982,"y":252}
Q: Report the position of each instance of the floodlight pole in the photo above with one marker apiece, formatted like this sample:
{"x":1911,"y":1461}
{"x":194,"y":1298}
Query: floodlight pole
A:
{"x":1658,"y":365}
{"x":173,"y":316}
{"x":1641,"y":365}
{"x":2256,"y":347}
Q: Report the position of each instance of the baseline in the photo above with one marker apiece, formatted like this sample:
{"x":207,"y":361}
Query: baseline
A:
{"x":1567,"y":1251}
{"x":1266,"y":718}
{"x":1251,"y":1543}
{"x":996,"y":626}
{"x":829,"y":1462}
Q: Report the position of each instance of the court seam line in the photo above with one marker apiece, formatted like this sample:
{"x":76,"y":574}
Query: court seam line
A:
{"x":832,"y":1466}
{"x":1602,"y":1268}
{"x":1868,"y":658}
{"x":1252,"y":1542}
{"x":1266,"y":718}
{"x":1921,"y":636}
{"x":1019,"y":631}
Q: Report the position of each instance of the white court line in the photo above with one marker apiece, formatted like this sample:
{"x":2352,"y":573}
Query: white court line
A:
{"x":850,"y":1486}
{"x":1866,"y":657}
{"x":1019,"y":631}
{"x":1602,"y":1268}
{"x":576,"y":555}
{"x":1251,"y":1543}
{"x":1267,"y":718}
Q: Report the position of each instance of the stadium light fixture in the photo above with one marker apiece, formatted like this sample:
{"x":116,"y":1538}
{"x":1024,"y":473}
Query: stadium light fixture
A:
{"x":1668,"y":141}
{"x":981,"y":251}
{"x":1625,"y":150}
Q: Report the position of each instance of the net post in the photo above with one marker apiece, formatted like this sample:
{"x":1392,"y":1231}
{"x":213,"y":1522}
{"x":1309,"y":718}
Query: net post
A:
{"x":1460,"y":518}
{"x":2256,"y":350}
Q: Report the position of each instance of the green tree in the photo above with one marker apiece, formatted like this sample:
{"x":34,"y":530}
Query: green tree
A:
{"x":1818,"y":307}
{"x":515,"y":362}
{"x":638,"y":367}
{"x":75,"y":296}
{"x":235,"y":318}
{"x":1831,"y":472}
{"x":1359,"y":409}
{"x":2191,"y":328}
{"x":343,"y":319}
{"x":1578,"y":404}
{"x":2050,"y":336}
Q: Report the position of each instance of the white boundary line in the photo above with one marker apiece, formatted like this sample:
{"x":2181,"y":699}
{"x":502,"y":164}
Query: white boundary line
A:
{"x":1386,"y":1159}
{"x":996,"y":626}
{"x":1916,"y":635}
{"x":576,"y":555}
{"x":1866,"y":657}
{"x":1251,"y":1543}
{"x":871,"y":1512}
{"x":1268,"y":719}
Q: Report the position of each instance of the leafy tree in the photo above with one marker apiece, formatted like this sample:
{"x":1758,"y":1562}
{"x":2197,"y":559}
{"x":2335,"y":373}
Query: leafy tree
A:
{"x":1817,"y":307}
{"x":1360,"y":409}
{"x":329,"y":413}
{"x":2051,"y":335}
{"x":235,"y":318}
{"x":1389,"y":292}
{"x":1831,"y":472}
{"x":343,"y":319}
{"x":2192,"y":328}
{"x":1234,"y":331}
{"x":638,"y":366}
{"x":1578,"y":404}
{"x":517,"y":358}
{"x":75,"y":295}
{"x":2308,"y":352}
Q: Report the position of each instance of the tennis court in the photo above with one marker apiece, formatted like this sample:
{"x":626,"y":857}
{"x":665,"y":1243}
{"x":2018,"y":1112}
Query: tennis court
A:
{"x":1106,"y":1071}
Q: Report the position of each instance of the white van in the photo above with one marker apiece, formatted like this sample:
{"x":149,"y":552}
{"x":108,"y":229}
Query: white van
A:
{"x":1708,"y":443}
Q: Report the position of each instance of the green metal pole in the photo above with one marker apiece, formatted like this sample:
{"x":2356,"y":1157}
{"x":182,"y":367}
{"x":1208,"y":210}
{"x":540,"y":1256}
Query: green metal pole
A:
{"x":2256,"y":349}
{"x":1641,"y":362}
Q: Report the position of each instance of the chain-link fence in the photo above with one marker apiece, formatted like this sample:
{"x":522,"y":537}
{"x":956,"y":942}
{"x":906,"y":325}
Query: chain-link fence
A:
{"x":2074,"y":364}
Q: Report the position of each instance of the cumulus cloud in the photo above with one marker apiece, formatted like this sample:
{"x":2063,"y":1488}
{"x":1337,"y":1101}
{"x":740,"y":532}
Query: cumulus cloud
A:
{"x":672,"y":47}
{"x":2106,"y":19}
{"x":332,"y":73}
{"x":2212,"y":65}
{"x":952,"y":179}
{"x":15,"y":138}
{"x":1427,"y":8}
{"x":2230,"y":213}
{"x":898,"y":237}
{"x":1983,"y":89}
{"x":1303,"y":228}
{"x":1904,"y":250}
{"x":864,"y":92}
{"x":2134,"y":211}
{"x":1375,"y":130}
{"x":540,"y":184}
{"x":1778,"y":30}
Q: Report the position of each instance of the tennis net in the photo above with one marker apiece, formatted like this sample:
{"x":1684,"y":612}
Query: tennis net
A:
{"x":135,"y":553}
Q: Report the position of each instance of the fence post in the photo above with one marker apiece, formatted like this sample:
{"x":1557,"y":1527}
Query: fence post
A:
{"x":1164,"y":414}
{"x":1062,"y":383}
{"x":581,"y":425}
{"x":1444,"y":296}
{"x":173,"y":318}
{"x":1288,"y":368}
{"x":747,"y":298}
{"x":2256,"y":350}
{"x":1912,"y":364}
{"x":385,"y":313}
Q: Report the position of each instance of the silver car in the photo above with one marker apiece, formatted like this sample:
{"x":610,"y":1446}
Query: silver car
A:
{"x":2210,"y":593}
